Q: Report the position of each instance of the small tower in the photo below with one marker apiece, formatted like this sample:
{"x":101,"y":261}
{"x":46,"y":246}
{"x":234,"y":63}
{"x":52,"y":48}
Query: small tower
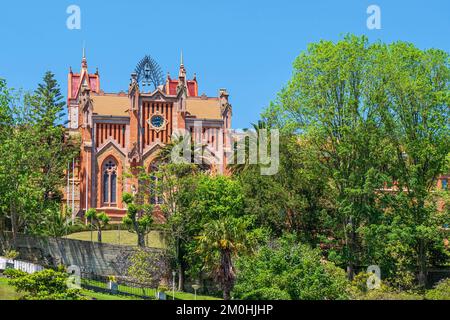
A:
{"x":77,"y":82}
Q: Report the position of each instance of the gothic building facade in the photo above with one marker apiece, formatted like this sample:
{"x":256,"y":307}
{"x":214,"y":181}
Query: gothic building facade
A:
{"x":120,"y":131}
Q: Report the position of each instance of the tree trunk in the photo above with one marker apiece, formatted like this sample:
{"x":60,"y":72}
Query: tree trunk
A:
{"x":422,"y":264}
{"x":227,"y":275}
{"x":422,"y":254}
{"x":350,"y":271}
{"x":351,"y":252}
{"x":181,"y":277}
{"x":14,"y":226}
{"x":2,"y":232}
{"x":2,"y":225}
{"x":226,"y":294}
{"x":141,"y":240}
{"x":99,"y":235}
{"x":180,"y":263}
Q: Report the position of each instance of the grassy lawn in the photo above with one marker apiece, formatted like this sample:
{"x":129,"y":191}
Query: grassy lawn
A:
{"x":189,"y":296}
{"x":7,"y":292}
{"x":149,"y":292}
{"x":155,"y":239}
{"x":122,"y":288}
{"x":103,"y":296}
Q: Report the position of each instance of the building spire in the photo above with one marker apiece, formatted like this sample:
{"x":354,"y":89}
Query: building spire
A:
{"x":182,"y":74}
{"x":84,"y":60}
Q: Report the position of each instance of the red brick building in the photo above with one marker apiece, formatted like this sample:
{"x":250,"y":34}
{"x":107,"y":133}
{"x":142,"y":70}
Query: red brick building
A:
{"x":121,"y":130}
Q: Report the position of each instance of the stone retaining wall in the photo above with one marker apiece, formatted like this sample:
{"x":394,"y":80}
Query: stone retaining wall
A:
{"x":91,"y":257}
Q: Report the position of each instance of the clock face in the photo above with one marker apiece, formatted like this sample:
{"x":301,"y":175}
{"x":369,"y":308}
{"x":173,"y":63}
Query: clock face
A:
{"x":157,"y":121}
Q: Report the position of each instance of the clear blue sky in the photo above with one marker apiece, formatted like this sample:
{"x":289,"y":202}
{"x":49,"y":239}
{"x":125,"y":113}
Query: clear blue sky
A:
{"x":245,"y":46}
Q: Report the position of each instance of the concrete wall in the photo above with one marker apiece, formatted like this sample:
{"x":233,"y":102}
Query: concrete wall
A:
{"x":97,"y":258}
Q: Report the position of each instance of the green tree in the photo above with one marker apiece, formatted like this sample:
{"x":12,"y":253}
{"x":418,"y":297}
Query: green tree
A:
{"x":203,"y":199}
{"x":284,"y":269}
{"x":331,"y":99}
{"x":175,"y":185}
{"x":56,"y":149}
{"x":98,"y":220}
{"x":220,"y":242}
{"x":147,"y":268}
{"x":33,"y":156}
{"x":139,"y":218}
{"x":296,"y":199}
{"x":375,"y":117}
{"x":20,"y":194}
{"x":415,"y":114}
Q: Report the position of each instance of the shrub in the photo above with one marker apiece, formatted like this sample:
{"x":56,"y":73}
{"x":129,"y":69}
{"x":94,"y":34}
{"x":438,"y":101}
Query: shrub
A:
{"x":358,"y":287}
{"x":440,"y":292}
{"x":45,"y":285}
{"x":387,"y":293}
{"x":288,"y":270}
{"x":146,"y":268}
{"x":267,"y":294}
{"x":359,"y":291}
{"x":14,"y":274}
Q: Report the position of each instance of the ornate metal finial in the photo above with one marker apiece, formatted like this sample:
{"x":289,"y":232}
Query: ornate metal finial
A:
{"x":149,"y":73}
{"x":182,"y":62}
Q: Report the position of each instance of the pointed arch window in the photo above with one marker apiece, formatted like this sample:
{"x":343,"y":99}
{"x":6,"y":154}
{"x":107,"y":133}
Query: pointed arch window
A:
{"x":109,"y":183}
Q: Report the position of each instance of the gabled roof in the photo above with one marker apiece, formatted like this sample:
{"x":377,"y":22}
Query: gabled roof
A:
{"x":192,"y":86}
{"x":76,"y":82}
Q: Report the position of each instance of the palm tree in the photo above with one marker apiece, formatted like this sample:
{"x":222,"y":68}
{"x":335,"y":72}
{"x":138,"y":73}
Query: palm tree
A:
{"x":236,"y":168}
{"x":164,"y":155}
{"x":220,"y":242}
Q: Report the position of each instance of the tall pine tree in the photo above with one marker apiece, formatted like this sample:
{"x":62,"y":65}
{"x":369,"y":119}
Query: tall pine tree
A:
{"x":50,"y":110}
{"x":56,"y":149}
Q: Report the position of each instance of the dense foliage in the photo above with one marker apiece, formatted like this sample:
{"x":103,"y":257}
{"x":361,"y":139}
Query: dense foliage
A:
{"x":34,"y":152}
{"x":440,"y":292}
{"x":47,"y":284}
{"x":372,"y":124}
{"x":146,"y":268}
{"x":286,"y":269}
